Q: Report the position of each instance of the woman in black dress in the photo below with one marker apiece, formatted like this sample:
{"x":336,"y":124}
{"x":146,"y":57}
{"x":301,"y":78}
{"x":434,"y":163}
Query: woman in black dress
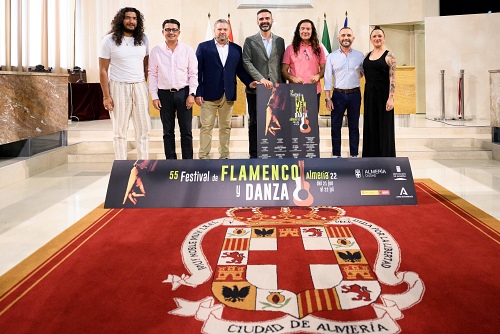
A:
{"x":380,"y":72}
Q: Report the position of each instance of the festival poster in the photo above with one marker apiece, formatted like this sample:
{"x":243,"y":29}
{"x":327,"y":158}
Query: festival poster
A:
{"x":260,"y":182}
{"x":290,"y":126}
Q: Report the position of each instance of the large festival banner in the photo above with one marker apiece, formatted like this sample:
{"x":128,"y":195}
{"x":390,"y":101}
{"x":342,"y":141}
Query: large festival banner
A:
{"x":260,"y":183}
{"x":290,"y":126}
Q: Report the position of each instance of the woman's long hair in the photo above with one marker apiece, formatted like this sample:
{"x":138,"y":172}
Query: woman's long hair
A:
{"x":314,"y":39}
{"x":117,"y":26}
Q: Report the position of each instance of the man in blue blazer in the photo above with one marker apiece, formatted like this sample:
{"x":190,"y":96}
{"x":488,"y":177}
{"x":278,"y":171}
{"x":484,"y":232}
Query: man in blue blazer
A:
{"x":219,"y":62}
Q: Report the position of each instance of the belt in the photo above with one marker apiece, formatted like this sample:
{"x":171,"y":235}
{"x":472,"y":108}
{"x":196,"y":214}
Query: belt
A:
{"x":173,"y":90}
{"x":346,"y":91}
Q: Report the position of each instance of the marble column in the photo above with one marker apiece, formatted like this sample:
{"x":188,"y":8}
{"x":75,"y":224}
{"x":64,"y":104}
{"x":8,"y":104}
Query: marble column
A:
{"x":495,"y":104}
{"x":33,"y":112}
{"x":32,"y":105}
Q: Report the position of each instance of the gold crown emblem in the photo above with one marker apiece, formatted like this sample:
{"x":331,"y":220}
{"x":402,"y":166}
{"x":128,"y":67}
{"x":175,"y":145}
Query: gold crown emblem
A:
{"x":259,"y":216}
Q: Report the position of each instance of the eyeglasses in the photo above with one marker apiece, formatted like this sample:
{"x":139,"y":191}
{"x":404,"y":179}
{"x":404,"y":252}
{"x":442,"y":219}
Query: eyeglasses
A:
{"x":174,"y":30}
{"x":306,"y":55}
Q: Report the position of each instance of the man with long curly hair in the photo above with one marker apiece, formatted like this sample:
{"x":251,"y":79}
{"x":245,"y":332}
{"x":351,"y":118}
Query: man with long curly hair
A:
{"x":123,"y":66}
{"x":304,"y":60}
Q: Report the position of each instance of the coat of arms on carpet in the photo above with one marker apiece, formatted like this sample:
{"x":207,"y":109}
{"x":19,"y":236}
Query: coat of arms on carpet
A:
{"x":296,"y":269}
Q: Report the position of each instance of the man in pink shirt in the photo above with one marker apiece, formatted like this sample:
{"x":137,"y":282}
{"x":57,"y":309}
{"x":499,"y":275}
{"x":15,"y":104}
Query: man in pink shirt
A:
{"x":173,"y":80}
{"x":304,"y":60}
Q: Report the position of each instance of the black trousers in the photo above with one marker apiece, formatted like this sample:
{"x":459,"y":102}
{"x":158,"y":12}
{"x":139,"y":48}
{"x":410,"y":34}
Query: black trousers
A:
{"x":252,"y":124}
{"x":172,"y":103}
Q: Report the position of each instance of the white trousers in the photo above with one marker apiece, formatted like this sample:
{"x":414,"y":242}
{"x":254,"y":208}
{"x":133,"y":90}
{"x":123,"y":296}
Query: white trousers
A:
{"x":130,"y":100}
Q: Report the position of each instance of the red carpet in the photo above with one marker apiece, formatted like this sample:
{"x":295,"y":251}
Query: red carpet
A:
{"x":431,"y":268}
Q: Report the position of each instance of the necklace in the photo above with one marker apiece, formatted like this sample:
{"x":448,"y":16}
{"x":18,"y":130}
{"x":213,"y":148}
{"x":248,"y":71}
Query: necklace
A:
{"x":128,"y":39}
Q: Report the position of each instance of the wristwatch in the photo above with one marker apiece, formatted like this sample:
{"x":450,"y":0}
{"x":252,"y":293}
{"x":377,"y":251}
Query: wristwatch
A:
{"x":328,"y":99}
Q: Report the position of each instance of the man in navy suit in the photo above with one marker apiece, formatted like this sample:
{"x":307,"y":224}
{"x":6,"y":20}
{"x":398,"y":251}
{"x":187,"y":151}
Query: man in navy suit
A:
{"x":219,"y":62}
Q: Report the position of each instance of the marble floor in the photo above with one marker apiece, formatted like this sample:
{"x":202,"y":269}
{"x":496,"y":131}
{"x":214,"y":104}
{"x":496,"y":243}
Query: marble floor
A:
{"x":35,"y":210}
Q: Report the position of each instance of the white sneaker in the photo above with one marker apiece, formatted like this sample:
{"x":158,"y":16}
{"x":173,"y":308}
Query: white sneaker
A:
{"x":335,"y":156}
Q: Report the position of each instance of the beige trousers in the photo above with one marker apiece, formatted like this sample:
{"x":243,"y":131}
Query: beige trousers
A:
{"x":207,"y":117}
{"x":130,"y":100}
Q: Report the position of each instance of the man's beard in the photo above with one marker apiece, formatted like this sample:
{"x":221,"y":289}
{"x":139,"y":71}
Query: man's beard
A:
{"x":222,"y":39}
{"x":265,"y":28}
{"x":127,"y":30}
{"x":349,"y":43}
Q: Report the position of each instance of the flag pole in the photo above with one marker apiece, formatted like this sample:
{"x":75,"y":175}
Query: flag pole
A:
{"x":231,"y":38}
{"x":325,"y":39}
{"x":208,"y":33}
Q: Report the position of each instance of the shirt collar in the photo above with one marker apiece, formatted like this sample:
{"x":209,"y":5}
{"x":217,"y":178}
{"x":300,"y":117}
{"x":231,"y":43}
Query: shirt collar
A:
{"x":220,"y":45}
{"x":263,"y":38}
{"x":340,"y":50}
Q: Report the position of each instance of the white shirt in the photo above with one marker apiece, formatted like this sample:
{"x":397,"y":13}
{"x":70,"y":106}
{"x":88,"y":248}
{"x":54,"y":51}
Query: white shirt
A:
{"x":126,"y":61}
{"x":223,"y":51}
{"x":268,"y":44}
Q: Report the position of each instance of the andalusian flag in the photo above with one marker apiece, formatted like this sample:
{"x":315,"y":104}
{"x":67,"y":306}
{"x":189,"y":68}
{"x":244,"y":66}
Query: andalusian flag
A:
{"x":345,"y":21}
{"x":230,"y":28}
{"x":209,"y":35}
{"x":325,"y":40}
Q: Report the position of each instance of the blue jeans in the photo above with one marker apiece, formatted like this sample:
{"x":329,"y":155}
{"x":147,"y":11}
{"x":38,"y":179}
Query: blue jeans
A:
{"x":342,"y":102}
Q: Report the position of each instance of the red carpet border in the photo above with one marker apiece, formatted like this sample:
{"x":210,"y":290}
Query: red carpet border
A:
{"x":431,"y":268}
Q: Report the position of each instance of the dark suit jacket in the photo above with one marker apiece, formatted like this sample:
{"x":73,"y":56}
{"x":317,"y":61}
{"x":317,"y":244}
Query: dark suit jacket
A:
{"x":214,"y":79}
{"x":256,"y":62}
